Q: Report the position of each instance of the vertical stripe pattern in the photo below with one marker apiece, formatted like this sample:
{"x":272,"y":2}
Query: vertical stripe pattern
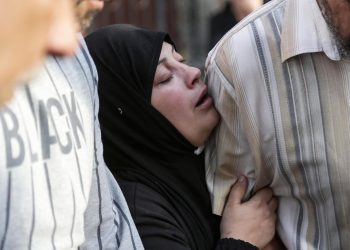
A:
{"x":54,"y":188}
{"x":8,"y":210}
{"x":283,"y":93}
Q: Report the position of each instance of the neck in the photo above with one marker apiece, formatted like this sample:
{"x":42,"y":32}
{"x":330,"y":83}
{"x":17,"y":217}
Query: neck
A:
{"x":238,"y":14}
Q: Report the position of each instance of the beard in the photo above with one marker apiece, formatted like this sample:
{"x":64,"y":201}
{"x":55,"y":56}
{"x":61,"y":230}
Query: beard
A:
{"x":86,"y":20}
{"x":343,"y":44}
{"x":85,"y":14}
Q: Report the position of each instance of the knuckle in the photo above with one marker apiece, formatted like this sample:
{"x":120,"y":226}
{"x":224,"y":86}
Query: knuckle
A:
{"x":259,"y":201}
{"x":267,"y":213}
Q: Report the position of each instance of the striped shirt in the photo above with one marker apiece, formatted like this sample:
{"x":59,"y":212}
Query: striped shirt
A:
{"x":55,"y":189}
{"x":283,"y":92}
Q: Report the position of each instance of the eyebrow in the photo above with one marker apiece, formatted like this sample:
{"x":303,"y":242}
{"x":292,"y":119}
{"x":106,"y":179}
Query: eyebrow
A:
{"x":164,"y":59}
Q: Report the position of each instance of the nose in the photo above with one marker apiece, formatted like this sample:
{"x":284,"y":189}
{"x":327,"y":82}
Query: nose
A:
{"x":62,"y":38}
{"x":192,"y":76}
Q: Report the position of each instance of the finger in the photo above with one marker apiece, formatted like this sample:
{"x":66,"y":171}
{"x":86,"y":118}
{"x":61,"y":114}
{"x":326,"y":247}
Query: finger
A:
{"x":263,"y":195}
{"x":238,"y":190}
{"x":273,"y":204}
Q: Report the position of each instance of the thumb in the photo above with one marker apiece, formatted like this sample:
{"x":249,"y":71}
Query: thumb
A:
{"x":238,"y":190}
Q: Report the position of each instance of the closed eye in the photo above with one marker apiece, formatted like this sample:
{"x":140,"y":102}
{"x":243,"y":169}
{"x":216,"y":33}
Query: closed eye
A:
{"x":167,"y":80}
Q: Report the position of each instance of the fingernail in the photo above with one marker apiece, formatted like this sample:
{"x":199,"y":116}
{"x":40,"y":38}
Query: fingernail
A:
{"x":241,"y":179}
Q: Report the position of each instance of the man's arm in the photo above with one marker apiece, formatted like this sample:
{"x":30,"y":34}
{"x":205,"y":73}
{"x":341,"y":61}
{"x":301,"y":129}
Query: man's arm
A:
{"x":228,"y":153}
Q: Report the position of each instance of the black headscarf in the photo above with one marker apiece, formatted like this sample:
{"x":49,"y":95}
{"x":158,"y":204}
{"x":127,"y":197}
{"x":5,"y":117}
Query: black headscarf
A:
{"x":140,"y":144}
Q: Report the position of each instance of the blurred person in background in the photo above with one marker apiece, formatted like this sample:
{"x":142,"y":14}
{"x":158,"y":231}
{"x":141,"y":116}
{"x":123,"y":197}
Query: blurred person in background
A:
{"x":233,"y":12}
{"x":28,"y":31}
{"x":54,"y":186}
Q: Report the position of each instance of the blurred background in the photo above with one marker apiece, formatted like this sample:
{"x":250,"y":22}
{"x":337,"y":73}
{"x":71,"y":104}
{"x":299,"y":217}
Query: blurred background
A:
{"x":187,"y":21}
{"x":194,"y":25}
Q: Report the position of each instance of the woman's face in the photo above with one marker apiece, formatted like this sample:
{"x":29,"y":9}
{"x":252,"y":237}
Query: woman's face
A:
{"x":180,"y":95}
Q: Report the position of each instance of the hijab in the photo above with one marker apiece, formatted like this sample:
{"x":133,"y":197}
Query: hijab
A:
{"x":140,"y":144}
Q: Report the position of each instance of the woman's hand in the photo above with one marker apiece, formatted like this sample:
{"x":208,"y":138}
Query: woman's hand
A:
{"x":252,"y":221}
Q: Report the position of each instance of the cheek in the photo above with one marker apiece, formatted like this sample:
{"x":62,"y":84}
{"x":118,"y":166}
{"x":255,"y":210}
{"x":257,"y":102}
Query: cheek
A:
{"x":173,"y":104}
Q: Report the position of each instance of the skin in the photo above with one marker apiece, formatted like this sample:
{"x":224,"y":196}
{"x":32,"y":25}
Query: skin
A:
{"x":242,"y":8}
{"x":30,"y":30}
{"x":176,"y":90}
{"x":252,"y":221}
{"x":337,"y":15}
{"x":86,"y":10}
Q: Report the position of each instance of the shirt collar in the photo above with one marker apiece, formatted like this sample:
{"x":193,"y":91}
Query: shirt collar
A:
{"x":306,"y":31}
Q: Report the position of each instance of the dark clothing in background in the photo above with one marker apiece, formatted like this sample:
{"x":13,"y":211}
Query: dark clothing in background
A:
{"x":161,"y":177}
{"x":220,"y":23}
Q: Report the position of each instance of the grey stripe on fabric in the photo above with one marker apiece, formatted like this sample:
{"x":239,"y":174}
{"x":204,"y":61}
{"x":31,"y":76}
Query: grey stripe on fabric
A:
{"x":276,"y":24}
{"x":282,"y":167}
{"x":70,"y":85}
{"x":87,"y":59}
{"x":277,"y":16}
{"x":33,"y":211}
{"x":326,"y":155}
{"x":315,"y":124}
{"x":127,"y":221}
{"x":51,"y":204}
{"x":8,"y":210}
{"x":283,"y":72}
{"x":73,"y":219}
{"x":53,"y":82}
{"x":80,"y":175}
{"x":63,"y":72}
{"x":86,"y":78}
{"x":293,"y":103}
{"x":117,"y":226}
{"x":81,"y":116}
{"x":34,"y":156}
{"x":116,"y":234}
{"x":30,"y":100}
{"x":301,"y":212}
{"x":99,"y":209}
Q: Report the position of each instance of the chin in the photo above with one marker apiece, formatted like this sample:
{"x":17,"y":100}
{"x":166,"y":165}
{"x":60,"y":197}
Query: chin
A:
{"x":215,"y":118}
{"x":211,"y":125}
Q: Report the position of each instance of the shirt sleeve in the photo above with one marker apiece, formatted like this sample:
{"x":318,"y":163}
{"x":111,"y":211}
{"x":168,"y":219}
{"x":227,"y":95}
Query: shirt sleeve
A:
{"x":228,"y":154}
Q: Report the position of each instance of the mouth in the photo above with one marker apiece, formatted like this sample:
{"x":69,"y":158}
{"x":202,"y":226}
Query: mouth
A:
{"x":204,"y":98}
